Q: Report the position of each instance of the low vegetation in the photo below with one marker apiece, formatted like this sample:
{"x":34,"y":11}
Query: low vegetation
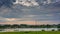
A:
{"x":32,"y":32}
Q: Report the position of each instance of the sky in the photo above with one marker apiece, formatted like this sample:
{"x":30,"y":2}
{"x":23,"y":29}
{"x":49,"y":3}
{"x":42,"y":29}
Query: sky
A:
{"x":35,"y":15}
{"x":57,"y":0}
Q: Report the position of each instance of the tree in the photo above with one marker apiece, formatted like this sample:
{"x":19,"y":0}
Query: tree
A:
{"x":23,"y":26}
{"x":7,"y":26}
{"x":14,"y":26}
{"x":58,"y":26}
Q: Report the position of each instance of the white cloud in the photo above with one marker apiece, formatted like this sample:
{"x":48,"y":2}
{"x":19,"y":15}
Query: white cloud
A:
{"x":27,"y":2}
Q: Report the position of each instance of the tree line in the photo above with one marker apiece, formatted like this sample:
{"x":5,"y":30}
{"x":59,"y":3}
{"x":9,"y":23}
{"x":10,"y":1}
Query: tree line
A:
{"x":29,"y":26}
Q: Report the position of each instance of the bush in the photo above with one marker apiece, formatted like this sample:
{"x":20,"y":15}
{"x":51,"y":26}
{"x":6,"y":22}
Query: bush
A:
{"x":58,"y":29}
{"x":53,"y":30}
{"x":0,"y":30}
{"x":43,"y":30}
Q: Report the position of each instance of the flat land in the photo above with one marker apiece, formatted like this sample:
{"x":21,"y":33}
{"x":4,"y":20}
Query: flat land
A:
{"x":32,"y":32}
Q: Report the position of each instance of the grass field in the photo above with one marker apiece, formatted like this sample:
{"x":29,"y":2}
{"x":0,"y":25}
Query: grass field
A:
{"x":35,"y":32}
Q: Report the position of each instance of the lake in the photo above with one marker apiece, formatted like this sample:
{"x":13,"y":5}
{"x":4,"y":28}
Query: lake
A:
{"x":28,"y":29}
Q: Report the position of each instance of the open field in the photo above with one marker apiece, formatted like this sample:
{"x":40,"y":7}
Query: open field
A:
{"x":35,"y":32}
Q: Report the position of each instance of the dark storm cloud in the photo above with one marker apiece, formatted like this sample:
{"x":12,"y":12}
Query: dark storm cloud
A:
{"x":6,"y":3}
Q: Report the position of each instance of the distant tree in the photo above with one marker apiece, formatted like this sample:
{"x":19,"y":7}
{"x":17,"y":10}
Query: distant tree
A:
{"x":48,"y":26}
{"x":15,"y":26}
{"x":43,"y":26}
{"x":23,"y":26}
{"x":54,"y":26}
{"x":1,"y":26}
{"x":7,"y":26}
{"x":58,"y":26}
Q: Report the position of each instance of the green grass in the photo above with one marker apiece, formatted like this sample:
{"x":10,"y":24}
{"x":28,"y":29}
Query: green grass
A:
{"x":35,"y":32}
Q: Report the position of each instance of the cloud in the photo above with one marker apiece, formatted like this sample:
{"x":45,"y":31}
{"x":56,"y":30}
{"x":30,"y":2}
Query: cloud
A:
{"x":31,"y":22}
{"x":18,"y":13}
{"x":29,"y":13}
{"x":27,"y":2}
{"x":6,"y":3}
